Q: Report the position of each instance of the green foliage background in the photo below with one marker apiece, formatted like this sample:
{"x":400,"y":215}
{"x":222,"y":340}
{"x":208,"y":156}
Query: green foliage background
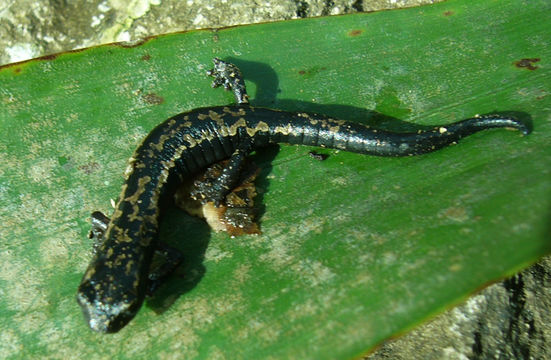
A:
{"x":354,"y":249}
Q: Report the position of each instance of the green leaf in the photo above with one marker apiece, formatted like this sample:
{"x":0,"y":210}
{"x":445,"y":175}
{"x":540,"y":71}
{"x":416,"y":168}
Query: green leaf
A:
{"x":354,"y":249}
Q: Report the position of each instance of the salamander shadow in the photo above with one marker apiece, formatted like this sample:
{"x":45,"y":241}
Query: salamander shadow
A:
{"x":191,"y":236}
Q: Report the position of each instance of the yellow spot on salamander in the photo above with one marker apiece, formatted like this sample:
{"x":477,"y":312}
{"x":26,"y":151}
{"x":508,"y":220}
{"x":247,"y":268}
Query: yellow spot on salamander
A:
{"x":121,"y":235}
{"x":89,"y":273}
{"x":262,"y":126}
{"x":206,"y":135}
{"x":134,"y":216}
{"x":215,"y":116}
{"x":129,"y":266}
{"x":130,"y":167}
{"x":151,"y":219}
{"x":140,"y":190}
{"x":241,"y":123}
{"x":159,"y":146}
{"x":284,"y":130}
{"x":239,"y":112}
{"x":190,"y":140}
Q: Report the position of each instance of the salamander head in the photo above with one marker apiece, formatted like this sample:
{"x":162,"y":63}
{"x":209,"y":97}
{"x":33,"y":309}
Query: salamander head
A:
{"x":108,"y":302}
{"x":105,"y":317}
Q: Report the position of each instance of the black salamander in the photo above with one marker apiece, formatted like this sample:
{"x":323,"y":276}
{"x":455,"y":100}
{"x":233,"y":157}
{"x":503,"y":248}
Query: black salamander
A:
{"x":117,"y":280}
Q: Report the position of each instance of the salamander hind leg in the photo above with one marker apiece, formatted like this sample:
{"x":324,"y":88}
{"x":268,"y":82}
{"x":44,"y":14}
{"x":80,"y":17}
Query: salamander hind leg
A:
{"x":215,"y":188}
{"x":236,"y":213}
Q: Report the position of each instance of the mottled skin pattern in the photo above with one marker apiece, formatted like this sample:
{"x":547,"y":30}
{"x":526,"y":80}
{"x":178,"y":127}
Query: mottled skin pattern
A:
{"x":114,"y":285}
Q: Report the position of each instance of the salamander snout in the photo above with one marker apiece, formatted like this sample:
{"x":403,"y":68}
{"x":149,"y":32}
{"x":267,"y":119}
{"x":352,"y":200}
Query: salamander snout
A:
{"x":103,"y":314}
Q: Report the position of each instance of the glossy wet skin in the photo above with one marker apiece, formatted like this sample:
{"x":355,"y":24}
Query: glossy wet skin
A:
{"x":106,"y":315}
{"x":114,"y":286}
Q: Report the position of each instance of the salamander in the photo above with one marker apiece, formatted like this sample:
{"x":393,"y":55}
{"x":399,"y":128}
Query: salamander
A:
{"x":119,"y":275}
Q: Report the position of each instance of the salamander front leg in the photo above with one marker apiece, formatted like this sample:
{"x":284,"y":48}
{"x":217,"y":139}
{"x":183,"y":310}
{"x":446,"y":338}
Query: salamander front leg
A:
{"x":99,"y":225}
{"x":167,"y":259}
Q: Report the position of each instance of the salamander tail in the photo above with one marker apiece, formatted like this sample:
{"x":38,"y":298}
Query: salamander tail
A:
{"x":483,"y":122}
